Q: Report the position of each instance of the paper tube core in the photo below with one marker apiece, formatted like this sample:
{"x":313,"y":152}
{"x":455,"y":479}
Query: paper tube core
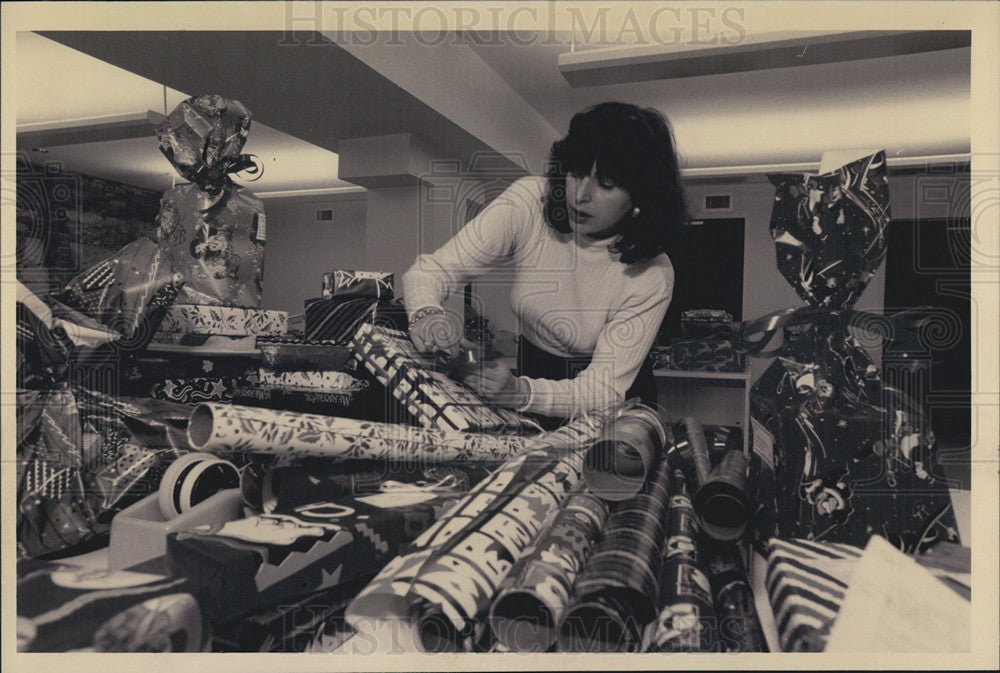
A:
{"x":523,"y":623}
{"x":200,"y":426}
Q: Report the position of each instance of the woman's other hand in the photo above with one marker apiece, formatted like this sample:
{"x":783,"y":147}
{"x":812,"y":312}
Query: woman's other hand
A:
{"x":497,"y":384}
{"x":436,"y":331}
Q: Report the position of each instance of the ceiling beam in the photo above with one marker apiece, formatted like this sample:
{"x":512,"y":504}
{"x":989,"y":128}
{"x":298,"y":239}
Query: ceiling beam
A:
{"x":644,"y":64}
{"x":94,"y":130}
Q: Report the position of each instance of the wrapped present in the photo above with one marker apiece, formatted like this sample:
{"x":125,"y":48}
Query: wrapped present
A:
{"x":706,"y":323}
{"x":139,"y":374}
{"x":196,"y":389}
{"x":347,"y":283}
{"x":202,"y":344}
{"x":292,"y":436}
{"x":710,"y":355}
{"x":345,"y":404}
{"x":434,"y":399}
{"x":532,"y":600}
{"x":337,"y":319}
{"x":436,"y":596}
{"x":223,"y":320}
{"x":851,"y":456}
{"x":62,"y":608}
{"x":296,"y":354}
{"x":131,"y":292}
{"x":87,"y":457}
{"x":263,"y":561}
{"x":314,"y":380}
{"x":212,"y":230}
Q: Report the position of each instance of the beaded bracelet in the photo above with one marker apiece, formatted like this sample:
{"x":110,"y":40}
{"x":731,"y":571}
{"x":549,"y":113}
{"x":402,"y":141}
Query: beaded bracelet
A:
{"x":422,"y":313}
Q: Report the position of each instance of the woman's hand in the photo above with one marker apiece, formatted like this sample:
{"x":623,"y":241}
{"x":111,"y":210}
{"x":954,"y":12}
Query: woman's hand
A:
{"x":436,"y":331}
{"x":496,"y":383}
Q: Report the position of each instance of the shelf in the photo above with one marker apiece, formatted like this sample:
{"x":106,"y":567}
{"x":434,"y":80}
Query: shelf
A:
{"x":693,"y":374}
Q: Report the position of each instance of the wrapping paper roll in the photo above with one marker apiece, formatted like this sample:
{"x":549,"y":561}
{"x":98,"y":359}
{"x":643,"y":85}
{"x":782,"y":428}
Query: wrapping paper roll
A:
{"x":686,"y":619}
{"x":223,"y":429}
{"x":435,"y":400}
{"x":739,"y":626}
{"x":62,"y":608}
{"x":617,"y":466}
{"x":532,"y":600}
{"x":614,"y":595}
{"x":437,"y":595}
{"x":326,"y":403}
{"x":722,"y":502}
{"x":195,"y":390}
{"x":690,"y":452}
{"x":296,"y":354}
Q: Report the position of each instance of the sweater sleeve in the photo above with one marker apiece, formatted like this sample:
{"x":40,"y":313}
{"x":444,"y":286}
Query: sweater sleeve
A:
{"x":488,"y":240}
{"x":622,"y":346}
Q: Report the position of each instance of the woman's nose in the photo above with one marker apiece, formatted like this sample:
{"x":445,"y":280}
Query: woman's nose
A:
{"x":583,"y":189}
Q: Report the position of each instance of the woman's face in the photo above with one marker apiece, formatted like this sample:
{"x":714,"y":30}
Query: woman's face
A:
{"x":595,"y":207}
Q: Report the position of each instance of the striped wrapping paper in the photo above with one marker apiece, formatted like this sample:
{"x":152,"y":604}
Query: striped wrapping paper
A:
{"x":806,"y":583}
{"x":435,"y":400}
{"x":337,"y":319}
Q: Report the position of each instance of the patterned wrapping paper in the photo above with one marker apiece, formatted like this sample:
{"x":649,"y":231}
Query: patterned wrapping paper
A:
{"x":292,"y":436}
{"x":620,"y":462}
{"x":86,"y":457}
{"x":435,"y":400}
{"x":315,"y":380}
{"x":739,"y":627}
{"x":709,"y":355}
{"x":130,"y":292}
{"x":142,"y":371}
{"x":196,"y":390}
{"x":533,"y":598}
{"x":707,"y":323}
{"x":64,"y":608}
{"x":436,"y":595}
{"x":203,"y":344}
{"x":223,"y":321}
{"x":344,"y":282}
{"x":614,"y":596}
{"x":296,"y":354}
{"x":353,"y":404}
{"x":338,"y":318}
{"x":686,"y":621}
{"x":260,"y":562}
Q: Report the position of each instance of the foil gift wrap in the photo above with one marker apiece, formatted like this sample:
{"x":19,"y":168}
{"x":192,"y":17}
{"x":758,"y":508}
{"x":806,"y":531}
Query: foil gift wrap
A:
{"x":264,"y":561}
{"x":614,"y":596}
{"x":829,"y":230}
{"x":216,"y":244}
{"x":434,"y":399}
{"x":292,"y":436}
{"x":296,"y":354}
{"x":345,"y":282}
{"x":739,"y":626}
{"x":86,"y":457}
{"x":620,"y":462}
{"x":131,"y":292}
{"x":436,"y":596}
{"x":63,"y":608}
{"x":685,"y":620}
{"x":223,"y":320}
{"x":531,"y":602}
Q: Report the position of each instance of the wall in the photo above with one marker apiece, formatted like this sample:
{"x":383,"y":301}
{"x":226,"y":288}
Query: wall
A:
{"x":299,"y":250}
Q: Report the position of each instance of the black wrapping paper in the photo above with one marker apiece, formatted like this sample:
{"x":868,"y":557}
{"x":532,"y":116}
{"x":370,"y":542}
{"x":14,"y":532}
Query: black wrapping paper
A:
{"x":63,"y":608}
{"x":739,"y":627}
{"x":851,"y":456}
{"x":289,"y":353}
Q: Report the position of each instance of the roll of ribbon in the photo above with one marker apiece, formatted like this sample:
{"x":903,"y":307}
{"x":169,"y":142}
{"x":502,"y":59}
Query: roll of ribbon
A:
{"x":617,"y":465}
{"x":192,"y":479}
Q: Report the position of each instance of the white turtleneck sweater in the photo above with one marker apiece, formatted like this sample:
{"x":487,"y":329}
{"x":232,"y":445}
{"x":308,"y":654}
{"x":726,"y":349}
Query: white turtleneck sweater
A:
{"x":571,"y":295}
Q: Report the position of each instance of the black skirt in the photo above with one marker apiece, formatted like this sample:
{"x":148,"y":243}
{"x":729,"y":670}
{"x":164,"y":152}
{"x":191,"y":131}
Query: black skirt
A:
{"x":536,"y":363}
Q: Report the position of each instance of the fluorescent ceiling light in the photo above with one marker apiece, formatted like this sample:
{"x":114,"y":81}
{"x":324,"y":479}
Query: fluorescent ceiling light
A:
{"x":647,"y":63}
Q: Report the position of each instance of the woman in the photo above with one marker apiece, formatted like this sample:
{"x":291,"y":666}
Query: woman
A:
{"x":586,"y":245}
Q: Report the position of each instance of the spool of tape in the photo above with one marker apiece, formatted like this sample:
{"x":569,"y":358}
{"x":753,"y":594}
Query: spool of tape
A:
{"x":203,"y":480}
{"x":168,"y":484}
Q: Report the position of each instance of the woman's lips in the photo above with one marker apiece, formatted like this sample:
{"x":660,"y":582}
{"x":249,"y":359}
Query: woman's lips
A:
{"x":578,"y":215}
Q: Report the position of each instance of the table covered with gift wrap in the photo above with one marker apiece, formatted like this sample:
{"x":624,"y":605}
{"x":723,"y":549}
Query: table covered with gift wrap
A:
{"x":839,"y":455}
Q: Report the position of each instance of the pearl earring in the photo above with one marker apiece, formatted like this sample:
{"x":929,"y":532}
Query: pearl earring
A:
{"x":635,"y":212}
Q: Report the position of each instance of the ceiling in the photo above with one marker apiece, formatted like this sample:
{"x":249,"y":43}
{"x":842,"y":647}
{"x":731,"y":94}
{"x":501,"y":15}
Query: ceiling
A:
{"x":475,"y":92}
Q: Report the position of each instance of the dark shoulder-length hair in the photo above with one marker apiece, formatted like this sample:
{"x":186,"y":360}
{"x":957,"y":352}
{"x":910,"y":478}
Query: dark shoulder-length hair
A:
{"x":633,"y":148}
